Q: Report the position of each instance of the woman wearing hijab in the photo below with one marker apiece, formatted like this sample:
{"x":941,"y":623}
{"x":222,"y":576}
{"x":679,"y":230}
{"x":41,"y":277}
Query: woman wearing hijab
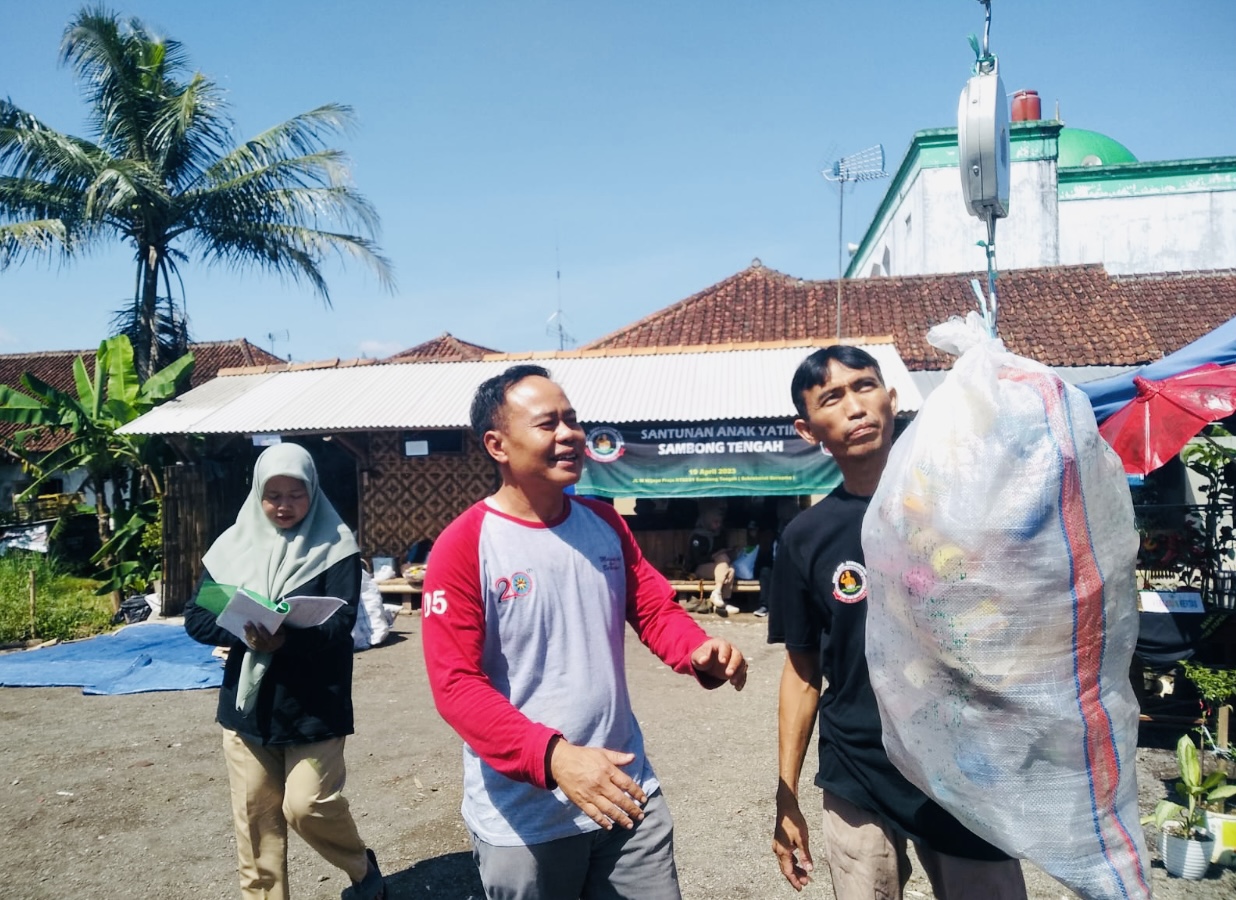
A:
{"x":286,"y":700}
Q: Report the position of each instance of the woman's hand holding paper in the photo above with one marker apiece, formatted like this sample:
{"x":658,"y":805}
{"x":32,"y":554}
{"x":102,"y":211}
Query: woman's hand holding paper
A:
{"x":261,"y":640}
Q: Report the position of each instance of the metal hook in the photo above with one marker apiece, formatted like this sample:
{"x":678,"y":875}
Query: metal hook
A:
{"x":986,"y":28}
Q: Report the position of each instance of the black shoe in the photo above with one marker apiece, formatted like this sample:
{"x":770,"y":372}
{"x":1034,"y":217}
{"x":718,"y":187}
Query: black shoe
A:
{"x":372,"y":886}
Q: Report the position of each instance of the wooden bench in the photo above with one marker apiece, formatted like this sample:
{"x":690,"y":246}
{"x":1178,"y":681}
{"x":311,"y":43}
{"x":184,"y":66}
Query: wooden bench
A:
{"x":664,"y":549}
{"x":398,"y":590}
{"x":698,"y":588}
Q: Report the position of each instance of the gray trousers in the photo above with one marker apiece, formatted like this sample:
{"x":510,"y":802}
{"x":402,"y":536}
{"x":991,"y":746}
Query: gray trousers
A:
{"x":600,"y":865}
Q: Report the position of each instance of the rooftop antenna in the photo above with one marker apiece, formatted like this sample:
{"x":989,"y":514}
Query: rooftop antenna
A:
{"x":866,"y":165}
{"x":273,"y":336}
{"x":556,"y":326}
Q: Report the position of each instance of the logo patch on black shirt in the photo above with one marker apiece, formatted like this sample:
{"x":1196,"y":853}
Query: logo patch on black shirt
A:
{"x":850,"y":582}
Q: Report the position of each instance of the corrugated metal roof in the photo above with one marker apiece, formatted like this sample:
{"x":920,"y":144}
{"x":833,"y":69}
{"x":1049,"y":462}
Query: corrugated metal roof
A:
{"x":660,"y":387}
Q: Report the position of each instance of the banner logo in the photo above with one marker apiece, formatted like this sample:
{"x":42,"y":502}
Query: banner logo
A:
{"x":604,"y":444}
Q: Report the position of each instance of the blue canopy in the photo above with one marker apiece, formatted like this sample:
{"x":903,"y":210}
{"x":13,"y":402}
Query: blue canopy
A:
{"x":1110,"y":394}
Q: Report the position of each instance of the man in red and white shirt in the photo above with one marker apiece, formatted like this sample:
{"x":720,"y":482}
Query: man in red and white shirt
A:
{"x":525,"y":605}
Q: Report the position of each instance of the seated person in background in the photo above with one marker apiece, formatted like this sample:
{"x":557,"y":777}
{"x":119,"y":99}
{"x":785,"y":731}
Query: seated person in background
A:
{"x":755,"y":554}
{"x":709,"y":558}
{"x":769,"y":536}
{"x":764,"y":537}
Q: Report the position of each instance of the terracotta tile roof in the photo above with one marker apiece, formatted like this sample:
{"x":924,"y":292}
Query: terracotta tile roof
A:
{"x":444,"y":348}
{"x":55,"y":367}
{"x":1061,"y":316}
{"x":211,"y":356}
{"x":1177,"y":308}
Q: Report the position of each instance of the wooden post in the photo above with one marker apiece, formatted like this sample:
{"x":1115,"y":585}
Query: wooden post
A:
{"x":34,"y":631}
{"x":1222,"y":725}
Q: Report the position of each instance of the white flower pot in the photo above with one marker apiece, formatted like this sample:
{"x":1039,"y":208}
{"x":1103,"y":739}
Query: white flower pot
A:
{"x":1223,"y":827}
{"x":1182,"y":857}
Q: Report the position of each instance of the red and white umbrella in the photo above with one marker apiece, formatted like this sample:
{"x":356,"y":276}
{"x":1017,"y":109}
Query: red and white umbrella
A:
{"x":1165,"y":415}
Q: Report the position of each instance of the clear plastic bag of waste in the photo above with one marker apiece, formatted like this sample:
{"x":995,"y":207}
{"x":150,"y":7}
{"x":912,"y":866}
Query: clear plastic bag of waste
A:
{"x":1001,"y":546}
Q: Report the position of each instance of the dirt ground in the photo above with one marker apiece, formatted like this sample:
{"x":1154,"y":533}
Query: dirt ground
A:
{"x":118,"y":797}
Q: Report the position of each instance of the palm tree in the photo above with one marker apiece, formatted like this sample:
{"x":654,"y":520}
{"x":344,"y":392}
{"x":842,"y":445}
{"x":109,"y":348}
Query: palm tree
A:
{"x":163,"y":174}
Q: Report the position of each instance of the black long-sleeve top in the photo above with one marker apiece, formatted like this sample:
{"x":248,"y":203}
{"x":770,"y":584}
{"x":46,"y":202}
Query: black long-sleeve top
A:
{"x":306,"y":694}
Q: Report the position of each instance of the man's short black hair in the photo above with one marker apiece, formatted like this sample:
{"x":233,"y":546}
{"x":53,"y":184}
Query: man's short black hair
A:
{"x":490,"y":397}
{"x":813,"y":371}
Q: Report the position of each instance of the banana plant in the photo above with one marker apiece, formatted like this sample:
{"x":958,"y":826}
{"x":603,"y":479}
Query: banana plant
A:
{"x":82,"y":431}
{"x":1195,"y":793}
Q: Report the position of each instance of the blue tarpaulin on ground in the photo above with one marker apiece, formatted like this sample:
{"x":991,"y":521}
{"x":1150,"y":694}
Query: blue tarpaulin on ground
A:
{"x":1110,"y":394}
{"x":134,"y":660}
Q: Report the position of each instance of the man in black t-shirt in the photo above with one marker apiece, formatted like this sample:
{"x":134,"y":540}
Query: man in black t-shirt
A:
{"x":819,"y":611}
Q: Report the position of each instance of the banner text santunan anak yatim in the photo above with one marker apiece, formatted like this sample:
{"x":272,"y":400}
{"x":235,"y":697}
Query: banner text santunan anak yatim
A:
{"x":703,"y":459}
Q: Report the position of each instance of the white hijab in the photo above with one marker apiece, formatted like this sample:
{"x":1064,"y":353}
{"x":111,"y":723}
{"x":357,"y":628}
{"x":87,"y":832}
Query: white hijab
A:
{"x":272,"y":561}
{"x":256,"y":554}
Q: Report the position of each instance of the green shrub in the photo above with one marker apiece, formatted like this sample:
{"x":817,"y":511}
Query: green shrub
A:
{"x":65,"y":607}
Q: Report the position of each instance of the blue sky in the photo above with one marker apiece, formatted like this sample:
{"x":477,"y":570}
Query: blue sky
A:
{"x":645,"y":150}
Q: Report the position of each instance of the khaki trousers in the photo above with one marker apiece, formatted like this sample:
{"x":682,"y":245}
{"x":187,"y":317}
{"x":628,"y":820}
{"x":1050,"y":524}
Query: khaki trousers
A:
{"x":301,"y":786}
{"x":868,"y":861}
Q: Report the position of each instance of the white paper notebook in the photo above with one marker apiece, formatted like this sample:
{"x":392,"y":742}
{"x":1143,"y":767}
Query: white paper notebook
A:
{"x":295,"y":612}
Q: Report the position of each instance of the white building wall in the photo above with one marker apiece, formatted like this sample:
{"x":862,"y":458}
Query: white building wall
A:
{"x":941,"y":236}
{"x":12,"y":477}
{"x":899,"y":242}
{"x":1151,"y":232}
{"x":1138,"y":217}
{"x":1029,"y":237}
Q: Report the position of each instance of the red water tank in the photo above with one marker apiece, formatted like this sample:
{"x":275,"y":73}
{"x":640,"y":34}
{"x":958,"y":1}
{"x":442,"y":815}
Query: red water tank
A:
{"x":1026,"y":106}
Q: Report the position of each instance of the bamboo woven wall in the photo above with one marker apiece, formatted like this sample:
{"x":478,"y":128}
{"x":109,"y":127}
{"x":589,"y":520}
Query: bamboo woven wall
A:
{"x":405,"y":498}
{"x":199,"y":502}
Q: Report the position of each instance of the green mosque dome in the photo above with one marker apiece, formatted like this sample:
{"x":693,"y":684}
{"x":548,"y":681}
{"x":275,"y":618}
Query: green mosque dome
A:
{"x":1079,"y":147}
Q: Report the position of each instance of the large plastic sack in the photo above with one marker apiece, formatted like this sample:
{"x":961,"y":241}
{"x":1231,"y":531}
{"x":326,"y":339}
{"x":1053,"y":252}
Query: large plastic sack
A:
{"x":373,"y":619}
{"x":1000,"y":548}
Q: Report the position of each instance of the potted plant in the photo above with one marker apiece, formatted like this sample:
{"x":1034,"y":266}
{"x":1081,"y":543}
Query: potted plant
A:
{"x":1216,"y":463}
{"x":1216,"y":688}
{"x":1185,"y":843}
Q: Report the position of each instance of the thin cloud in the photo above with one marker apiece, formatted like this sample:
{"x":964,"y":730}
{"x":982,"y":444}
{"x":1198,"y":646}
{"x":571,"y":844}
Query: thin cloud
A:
{"x":378,"y":349}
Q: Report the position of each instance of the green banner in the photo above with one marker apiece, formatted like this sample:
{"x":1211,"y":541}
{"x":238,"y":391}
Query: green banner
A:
{"x":704,"y":459}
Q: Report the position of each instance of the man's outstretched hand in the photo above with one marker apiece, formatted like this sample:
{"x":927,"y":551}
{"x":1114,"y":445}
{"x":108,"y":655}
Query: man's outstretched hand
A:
{"x":721,"y":659}
{"x":591,"y":779}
